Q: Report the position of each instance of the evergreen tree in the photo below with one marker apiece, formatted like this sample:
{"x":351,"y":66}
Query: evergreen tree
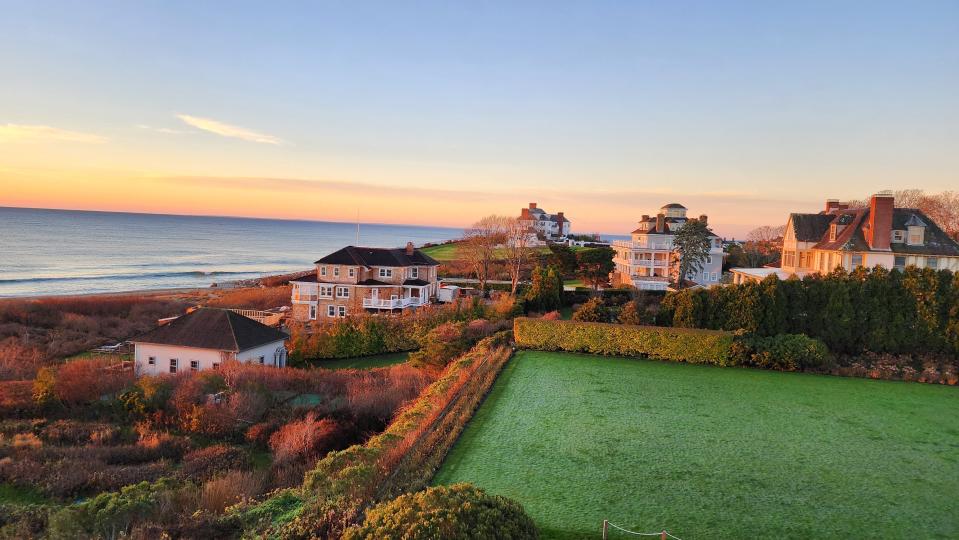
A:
{"x":691,"y":246}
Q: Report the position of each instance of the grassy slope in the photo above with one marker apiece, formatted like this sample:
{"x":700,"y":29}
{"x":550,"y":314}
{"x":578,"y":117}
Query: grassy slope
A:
{"x":447,"y":252}
{"x":364,"y":362}
{"x":710,"y":452}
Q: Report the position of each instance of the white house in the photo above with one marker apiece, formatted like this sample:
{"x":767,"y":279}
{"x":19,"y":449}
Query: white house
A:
{"x":549,"y":226}
{"x":646,"y":261}
{"x":204,"y":339}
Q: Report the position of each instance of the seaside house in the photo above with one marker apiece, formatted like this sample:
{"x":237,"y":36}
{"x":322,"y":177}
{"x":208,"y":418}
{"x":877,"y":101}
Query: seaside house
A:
{"x":878,"y":234}
{"x":205,"y":339}
{"x":646,"y":261}
{"x":549,"y":226}
{"x":357,"y":279}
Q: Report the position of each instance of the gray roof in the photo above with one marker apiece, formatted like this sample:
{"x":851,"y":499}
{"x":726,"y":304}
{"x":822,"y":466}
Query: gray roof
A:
{"x":213,"y":328}
{"x":366,"y":256}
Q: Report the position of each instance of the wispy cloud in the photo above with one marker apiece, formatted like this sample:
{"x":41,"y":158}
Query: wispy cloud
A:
{"x":167,"y":131}
{"x":227,"y":130}
{"x":31,"y":133}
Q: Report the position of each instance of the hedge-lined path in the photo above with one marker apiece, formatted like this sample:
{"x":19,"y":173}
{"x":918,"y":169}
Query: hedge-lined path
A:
{"x":710,"y":452}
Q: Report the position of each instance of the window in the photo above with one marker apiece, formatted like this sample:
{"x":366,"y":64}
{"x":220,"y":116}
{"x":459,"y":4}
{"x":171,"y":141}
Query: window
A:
{"x":715,"y":276}
{"x":856,"y":260}
{"x":326,"y":291}
{"x":386,"y":272}
{"x":342,"y":292}
{"x":173,"y":365}
{"x":932,"y":262}
{"x":336,"y":271}
{"x":898,"y":236}
{"x":900,"y":262}
{"x":414,"y":272}
{"x":832,"y":232}
{"x":709,"y":259}
{"x":915,"y":236}
{"x":262,"y":360}
{"x":312,"y":312}
{"x":152,"y":360}
{"x":216,"y":365}
{"x":194,"y":365}
{"x":322,"y":270}
{"x":342,"y":311}
{"x":331,"y":311}
{"x":352,"y":272}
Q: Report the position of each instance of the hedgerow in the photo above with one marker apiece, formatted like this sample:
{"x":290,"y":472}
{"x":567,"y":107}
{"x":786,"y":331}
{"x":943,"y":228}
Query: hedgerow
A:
{"x":677,"y":344}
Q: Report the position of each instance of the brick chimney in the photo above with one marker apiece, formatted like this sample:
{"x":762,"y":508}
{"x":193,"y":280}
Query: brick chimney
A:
{"x":559,"y":216}
{"x":843,"y":206}
{"x":645,"y":218}
{"x":880,"y":221}
{"x":832,"y":204}
{"x":524,"y":213}
{"x":532,"y":206}
{"x":702,"y":218}
{"x":660,"y":222}
{"x":409,"y":249}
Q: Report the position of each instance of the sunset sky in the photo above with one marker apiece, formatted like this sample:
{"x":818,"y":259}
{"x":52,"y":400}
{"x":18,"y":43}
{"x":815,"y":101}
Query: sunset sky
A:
{"x":439,"y":113}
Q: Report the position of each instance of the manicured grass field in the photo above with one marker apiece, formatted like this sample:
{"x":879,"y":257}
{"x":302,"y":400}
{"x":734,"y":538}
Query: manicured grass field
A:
{"x":364,"y":362}
{"x":442,"y":252}
{"x":709,"y":452}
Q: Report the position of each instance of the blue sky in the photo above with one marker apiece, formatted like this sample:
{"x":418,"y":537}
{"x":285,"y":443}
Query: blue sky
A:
{"x":741,"y":110}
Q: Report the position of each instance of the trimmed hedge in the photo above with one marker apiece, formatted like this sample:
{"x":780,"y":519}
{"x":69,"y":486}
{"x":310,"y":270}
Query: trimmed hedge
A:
{"x":676,"y":344}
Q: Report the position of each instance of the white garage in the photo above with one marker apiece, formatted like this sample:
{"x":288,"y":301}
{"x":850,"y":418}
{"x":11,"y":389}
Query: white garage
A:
{"x":205,"y":339}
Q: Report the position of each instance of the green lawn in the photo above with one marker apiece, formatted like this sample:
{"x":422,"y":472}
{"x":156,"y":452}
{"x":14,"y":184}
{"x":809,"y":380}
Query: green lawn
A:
{"x":442,"y":252}
{"x":710,"y":452}
{"x":364,"y":362}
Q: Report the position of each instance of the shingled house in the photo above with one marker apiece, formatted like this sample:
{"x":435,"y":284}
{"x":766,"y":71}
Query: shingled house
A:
{"x":879,"y":234}
{"x":205,"y":339}
{"x":549,"y":226}
{"x":357,"y":279}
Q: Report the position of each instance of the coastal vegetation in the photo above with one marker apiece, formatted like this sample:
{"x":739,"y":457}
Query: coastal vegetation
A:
{"x":711,"y":453}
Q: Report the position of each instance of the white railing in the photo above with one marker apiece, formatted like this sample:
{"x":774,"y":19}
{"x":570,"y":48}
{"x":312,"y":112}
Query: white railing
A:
{"x":629,"y":244}
{"x":393,"y":303}
{"x":263,"y":317}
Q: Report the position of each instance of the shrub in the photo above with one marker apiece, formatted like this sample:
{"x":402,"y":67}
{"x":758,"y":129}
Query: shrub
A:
{"x":633,"y":313}
{"x":786,"y":352}
{"x":457,"y":511}
{"x":204,"y":463}
{"x":594,"y":310}
{"x":678,"y":344}
{"x":309,"y":437}
{"x":76,"y":432}
{"x":229,"y":489}
{"x":109,"y":515}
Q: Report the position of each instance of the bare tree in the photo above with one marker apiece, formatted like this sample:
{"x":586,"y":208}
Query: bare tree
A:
{"x":517,"y":249}
{"x":943,"y":208}
{"x":478,"y":247}
{"x":763,"y":245}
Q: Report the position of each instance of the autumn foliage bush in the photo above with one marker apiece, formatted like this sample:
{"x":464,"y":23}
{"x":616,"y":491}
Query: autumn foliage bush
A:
{"x":204,"y":463}
{"x":80,"y":381}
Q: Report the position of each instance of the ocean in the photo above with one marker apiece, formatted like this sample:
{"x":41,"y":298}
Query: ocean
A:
{"x":63,"y":252}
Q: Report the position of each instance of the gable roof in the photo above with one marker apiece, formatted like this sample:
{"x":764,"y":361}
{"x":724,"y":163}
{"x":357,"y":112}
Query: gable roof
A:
{"x":367,"y":256}
{"x":213,"y":328}
{"x":810,"y":227}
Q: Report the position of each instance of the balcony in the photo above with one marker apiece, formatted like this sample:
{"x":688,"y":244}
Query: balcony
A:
{"x":395,"y":303}
{"x":629,"y":244}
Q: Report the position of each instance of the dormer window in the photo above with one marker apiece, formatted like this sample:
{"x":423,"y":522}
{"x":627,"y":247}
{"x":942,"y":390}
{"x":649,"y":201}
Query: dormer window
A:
{"x":832,"y":232}
{"x":916,"y":235}
{"x":898,"y":236}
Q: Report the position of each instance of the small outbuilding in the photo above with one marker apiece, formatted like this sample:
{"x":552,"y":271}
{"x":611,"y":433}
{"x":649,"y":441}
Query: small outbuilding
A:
{"x":205,"y":339}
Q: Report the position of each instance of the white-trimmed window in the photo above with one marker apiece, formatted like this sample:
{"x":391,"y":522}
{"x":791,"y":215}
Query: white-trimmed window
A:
{"x":342,"y":292}
{"x":323,"y":270}
{"x":352,"y":272}
{"x":331,"y":310}
{"x":194,"y":365}
{"x":932,"y":262}
{"x":152,"y":360}
{"x":915,"y":236}
{"x":832,"y":232}
{"x":216,"y":365}
{"x":312,"y":312}
{"x":262,"y":360}
{"x":898,"y":236}
{"x":341,"y":310}
{"x":336,"y":271}
{"x":326,"y":291}
{"x":856,"y":260}
{"x":386,"y":272}
{"x":173,"y":363}
{"x":414,"y":273}
{"x":900,"y":262}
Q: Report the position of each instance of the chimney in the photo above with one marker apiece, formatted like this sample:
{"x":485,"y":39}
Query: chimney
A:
{"x":524,"y":213}
{"x":660,"y":222}
{"x":880,"y":220}
{"x":645,"y":218}
{"x":832,"y":204}
{"x":703,"y":218}
{"x":559,"y":216}
{"x":409,"y":249}
{"x":532,"y":206}
{"x":843,"y":206}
